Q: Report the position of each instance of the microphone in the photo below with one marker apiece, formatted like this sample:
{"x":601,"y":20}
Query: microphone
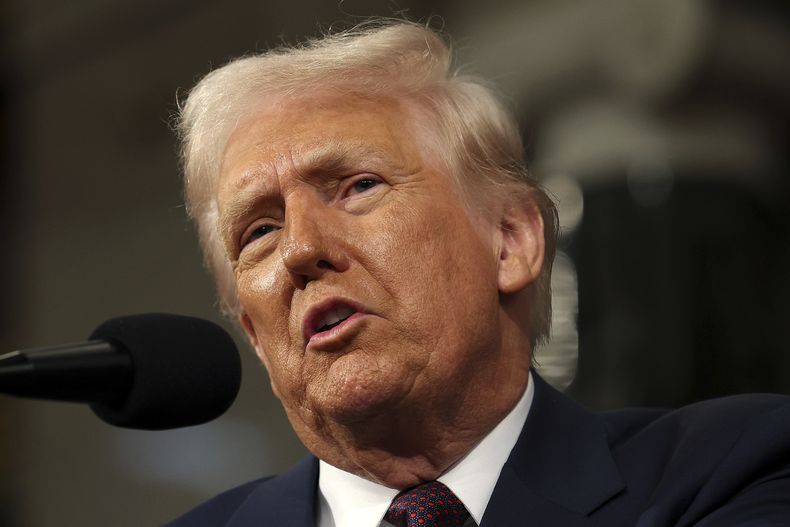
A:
{"x":152,"y":371}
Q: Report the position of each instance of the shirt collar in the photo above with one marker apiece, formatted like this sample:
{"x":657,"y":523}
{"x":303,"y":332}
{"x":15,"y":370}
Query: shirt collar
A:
{"x":353,"y":501}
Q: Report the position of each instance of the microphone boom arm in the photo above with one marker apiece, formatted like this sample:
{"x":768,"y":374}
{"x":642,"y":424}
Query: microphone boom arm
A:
{"x":98,"y":372}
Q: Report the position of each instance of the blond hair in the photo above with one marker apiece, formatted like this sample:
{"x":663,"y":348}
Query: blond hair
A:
{"x":480,"y":142}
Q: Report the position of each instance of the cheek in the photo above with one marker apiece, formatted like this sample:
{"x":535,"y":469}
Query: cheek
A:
{"x":258,"y":295}
{"x":439,"y":267}
{"x":264,"y":301}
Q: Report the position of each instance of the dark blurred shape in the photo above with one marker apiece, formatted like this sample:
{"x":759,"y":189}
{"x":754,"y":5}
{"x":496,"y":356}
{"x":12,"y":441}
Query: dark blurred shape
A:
{"x":187,"y":371}
{"x":10,"y":146}
{"x":684,"y":251}
{"x":682,"y":300}
{"x":152,"y":371}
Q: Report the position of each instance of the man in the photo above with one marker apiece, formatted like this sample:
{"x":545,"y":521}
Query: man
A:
{"x":371,"y":226}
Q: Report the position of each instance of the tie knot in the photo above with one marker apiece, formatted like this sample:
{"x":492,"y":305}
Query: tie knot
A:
{"x":431,"y":504}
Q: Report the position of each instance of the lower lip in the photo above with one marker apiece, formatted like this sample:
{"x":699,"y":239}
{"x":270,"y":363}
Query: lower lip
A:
{"x":336,"y":335}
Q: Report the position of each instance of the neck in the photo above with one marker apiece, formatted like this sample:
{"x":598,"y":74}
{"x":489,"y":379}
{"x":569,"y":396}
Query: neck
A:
{"x":405,"y":447}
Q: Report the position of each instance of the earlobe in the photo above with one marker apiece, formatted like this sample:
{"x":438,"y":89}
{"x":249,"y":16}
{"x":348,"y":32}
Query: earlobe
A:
{"x":522,"y":246}
{"x":249,"y":330}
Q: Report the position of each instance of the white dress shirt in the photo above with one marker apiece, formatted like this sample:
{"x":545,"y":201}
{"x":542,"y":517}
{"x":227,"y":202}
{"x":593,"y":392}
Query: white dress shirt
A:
{"x":347,"y":500}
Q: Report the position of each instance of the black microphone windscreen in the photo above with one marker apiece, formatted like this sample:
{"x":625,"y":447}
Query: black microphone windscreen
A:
{"x":187,"y":371}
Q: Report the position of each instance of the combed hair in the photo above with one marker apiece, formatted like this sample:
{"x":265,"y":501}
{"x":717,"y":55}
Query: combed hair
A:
{"x":476,"y":138}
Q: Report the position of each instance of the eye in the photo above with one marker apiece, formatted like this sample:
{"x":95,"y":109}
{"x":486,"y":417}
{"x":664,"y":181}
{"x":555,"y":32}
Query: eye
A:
{"x":363,"y":184}
{"x":258,"y":232}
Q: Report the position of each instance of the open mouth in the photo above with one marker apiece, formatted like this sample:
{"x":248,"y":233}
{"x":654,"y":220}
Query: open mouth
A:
{"x":323,"y":318}
{"x":333,"y":318}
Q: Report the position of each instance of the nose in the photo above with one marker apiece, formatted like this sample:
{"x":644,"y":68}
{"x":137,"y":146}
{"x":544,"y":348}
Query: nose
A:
{"x":309,"y":245}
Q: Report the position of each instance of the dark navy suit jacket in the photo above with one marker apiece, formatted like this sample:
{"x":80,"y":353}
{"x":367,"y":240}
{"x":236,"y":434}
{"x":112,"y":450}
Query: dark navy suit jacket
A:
{"x":723,"y":462}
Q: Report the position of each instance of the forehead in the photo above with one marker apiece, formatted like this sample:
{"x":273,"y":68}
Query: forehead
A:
{"x":295,"y":136}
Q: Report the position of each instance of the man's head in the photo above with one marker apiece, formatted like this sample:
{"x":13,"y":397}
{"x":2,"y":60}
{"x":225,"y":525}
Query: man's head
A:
{"x":370,"y":223}
{"x":470,"y":131}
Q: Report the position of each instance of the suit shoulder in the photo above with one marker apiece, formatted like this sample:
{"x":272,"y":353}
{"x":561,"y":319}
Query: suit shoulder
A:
{"x":267,"y":500}
{"x":725,"y":415}
{"x":217,"y":510}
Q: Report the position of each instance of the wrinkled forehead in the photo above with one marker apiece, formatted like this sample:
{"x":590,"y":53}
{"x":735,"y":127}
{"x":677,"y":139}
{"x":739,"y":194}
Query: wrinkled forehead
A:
{"x":294,"y":136}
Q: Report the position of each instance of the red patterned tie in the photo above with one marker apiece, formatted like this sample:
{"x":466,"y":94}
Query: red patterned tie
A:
{"x":431,"y":504}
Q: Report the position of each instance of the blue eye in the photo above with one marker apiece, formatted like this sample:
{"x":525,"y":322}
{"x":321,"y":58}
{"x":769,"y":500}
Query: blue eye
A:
{"x":364,"y":184}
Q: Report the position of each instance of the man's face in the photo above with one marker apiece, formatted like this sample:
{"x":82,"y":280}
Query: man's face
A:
{"x":366,"y":285}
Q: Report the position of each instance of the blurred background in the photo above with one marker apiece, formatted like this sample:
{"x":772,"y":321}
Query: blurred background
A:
{"x":661,"y":127}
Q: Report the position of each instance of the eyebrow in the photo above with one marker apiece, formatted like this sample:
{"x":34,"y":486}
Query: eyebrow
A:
{"x":326,"y":159}
{"x":243,"y":203}
{"x":331,"y":158}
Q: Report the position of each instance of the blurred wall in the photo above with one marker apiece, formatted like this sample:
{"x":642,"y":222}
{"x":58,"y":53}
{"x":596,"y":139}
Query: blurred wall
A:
{"x":94,"y":226}
{"x":663,"y":129}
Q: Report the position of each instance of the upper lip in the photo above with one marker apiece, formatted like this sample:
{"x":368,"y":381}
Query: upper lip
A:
{"x":317,"y":311}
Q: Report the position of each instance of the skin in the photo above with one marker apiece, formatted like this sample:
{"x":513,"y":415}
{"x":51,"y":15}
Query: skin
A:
{"x":333,"y":198}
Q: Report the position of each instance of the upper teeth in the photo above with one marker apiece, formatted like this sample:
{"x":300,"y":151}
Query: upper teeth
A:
{"x":334,"y":316}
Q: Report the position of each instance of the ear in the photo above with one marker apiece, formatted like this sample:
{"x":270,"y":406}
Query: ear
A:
{"x":249,"y":330}
{"x":521,"y":247}
{"x":252,"y":337}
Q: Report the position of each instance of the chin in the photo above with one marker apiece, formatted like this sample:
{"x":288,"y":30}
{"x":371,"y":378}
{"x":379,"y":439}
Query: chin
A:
{"x":358,"y":398}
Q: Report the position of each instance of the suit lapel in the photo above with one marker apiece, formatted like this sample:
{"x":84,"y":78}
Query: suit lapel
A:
{"x":287,"y":500}
{"x":560,"y":470}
